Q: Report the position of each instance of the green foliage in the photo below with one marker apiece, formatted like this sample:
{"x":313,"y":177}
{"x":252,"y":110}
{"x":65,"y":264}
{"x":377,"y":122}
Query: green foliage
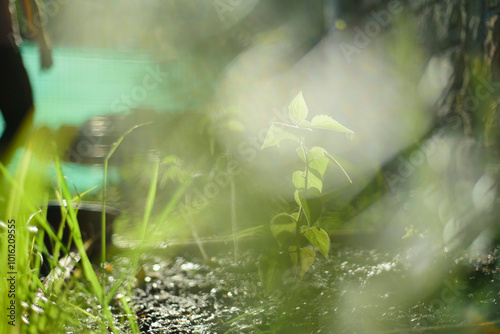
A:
{"x":318,"y":238}
{"x":288,"y":229}
{"x":60,"y":301}
{"x":282,"y":225}
{"x":307,"y":257}
{"x":311,"y":204}
{"x":313,"y":181}
{"x":327,"y":123}
{"x":298,"y":109}
{"x":271,"y":269}
{"x":275,"y":135}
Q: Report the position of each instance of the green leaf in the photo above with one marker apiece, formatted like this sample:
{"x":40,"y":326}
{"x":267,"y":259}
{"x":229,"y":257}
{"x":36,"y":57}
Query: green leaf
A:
{"x":275,"y":135}
{"x":307,"y":256}
{"x":300,"y":152}
{"x":326,"y":154}
{"x":233,"y":125}
{"x":296,"y":197}
{"x":313,"y":181}
{"x":292,"y":250}
{"x":271,"y":269}
{"x":298,"y":109}
{"x":312,"y":154}
{"x":305,"y":124}
{"x":311,"y":205}
{"x":316,"y":159}
{"x":318,"y":238}
{"x":327,"y":123}
{"x":319,"y":164}
{"x":171,"y":160}
{"x":410,"y":232}
{"x":315,"y":153}
{"x":283,"y":227}
{"x":301,"y":221}
{"x":298,"y":179}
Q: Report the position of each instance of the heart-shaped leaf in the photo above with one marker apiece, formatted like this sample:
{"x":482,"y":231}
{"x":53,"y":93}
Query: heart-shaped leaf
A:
{"x":298,"y":179}
{"x":313,"y":180}
{"x":283,"y":227}
{"x":318,"y":238}
{"x":311,"y":205}
{"x":316,"y":159}
{"x":295,"y":215}
{"x":271,"y":269}
{"x":319,"y":164}
{"x":307,"y":256}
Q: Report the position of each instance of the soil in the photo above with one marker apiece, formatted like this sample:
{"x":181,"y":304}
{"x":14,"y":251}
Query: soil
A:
{"x":354,"y":291}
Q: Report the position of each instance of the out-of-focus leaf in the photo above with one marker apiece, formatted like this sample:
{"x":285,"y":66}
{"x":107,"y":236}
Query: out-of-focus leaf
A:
{"x":316,"y":159}
{"x":292,"y":250}
{"x":298,"y":179}
{"x":234,"y":125}
{"x":305,"y":124}
{"x":307,"y":257}
{"x":327,"y":123}
{"x":311,"y":204}
{"x":326,"y":154}
{"x":319,"y":164}
{"x":298,"y":109}
{"x":313,"y":181}
{"x":282,"y":227}
{"x":271,"y":269}
{"x":318,"y":238}
{"x":275,"y":135}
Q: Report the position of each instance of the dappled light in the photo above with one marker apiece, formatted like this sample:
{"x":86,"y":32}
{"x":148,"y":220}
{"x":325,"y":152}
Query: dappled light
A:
{"x":246,"y":166}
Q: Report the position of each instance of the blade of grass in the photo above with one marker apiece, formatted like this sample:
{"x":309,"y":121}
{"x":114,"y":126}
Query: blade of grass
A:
{"x":88,"y":270}
{"x":174,"y":200}
{"x":29,"y":205}
{"x":130,"y":315}
{"x":147,"y":214}
{"x":194,"y":231}
{"x":80,"y":195}
{"x":88,"y":314}
{"x":150,"y":201}
{"x":234,"y":226}
{"x":75,"y":229}
{"x":105,"y":177}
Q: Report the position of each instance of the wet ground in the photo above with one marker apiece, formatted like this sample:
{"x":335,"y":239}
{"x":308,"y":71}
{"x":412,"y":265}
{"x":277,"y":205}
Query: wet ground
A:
{"x":354,"y":291}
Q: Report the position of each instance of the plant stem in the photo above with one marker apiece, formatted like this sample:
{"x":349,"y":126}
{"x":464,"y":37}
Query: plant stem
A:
{"x":297,"y":235}
{"x":193,"y":229}
{"x":338,"y":164}
{"x":292,"y":126}
{"x":105,"y":175}
{"x":301,"y":209}
{"x":233,"y":205}
{"x":304,"y":150}
{"x":103,"y":212}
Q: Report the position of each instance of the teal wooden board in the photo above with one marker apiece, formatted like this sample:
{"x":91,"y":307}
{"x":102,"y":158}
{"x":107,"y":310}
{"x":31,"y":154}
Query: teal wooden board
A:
{"x":85,"y":83}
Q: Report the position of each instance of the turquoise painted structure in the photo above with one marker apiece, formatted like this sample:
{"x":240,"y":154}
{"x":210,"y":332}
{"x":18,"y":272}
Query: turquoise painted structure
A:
{"x":85,"y":83}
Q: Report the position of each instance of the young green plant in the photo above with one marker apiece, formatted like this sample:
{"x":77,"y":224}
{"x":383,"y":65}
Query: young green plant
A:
{"x":287,"y":228}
